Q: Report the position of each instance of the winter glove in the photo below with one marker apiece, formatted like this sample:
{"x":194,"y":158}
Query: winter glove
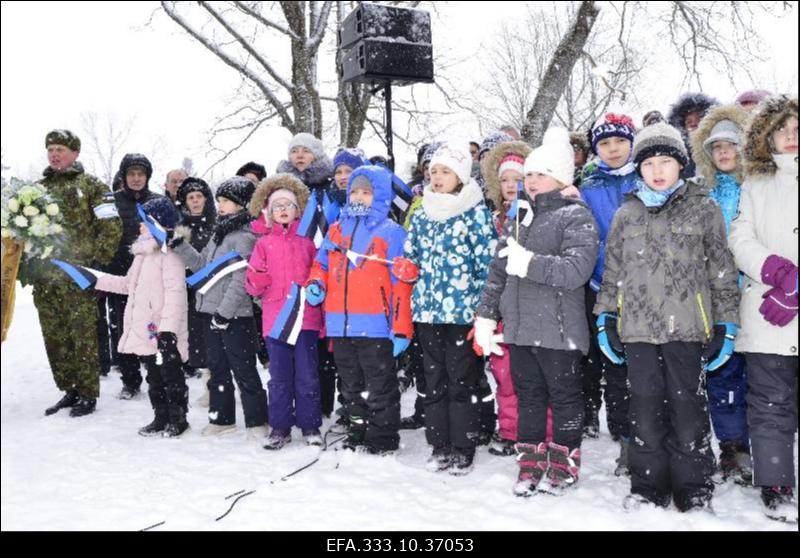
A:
{"x":720,"y":348}
{"x":315,"y":293}
{"x":405,"y":270}
{"x":260,"y":280}
{"x":781,"y":273}
{"x":518,"y":258}
{"x":779,"y":308}
{"x":168,"y":348}
{"x":486,"y":342}
{"x":399,"y":344}
{"x":219,"y":323}
{"x":608,"y":338}
{"x":172,"y":240}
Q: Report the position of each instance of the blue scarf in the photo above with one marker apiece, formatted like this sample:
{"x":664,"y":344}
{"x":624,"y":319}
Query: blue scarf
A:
{"x":726,"y":194}
{"x":624,"y":170}
{"x":655,"y":198}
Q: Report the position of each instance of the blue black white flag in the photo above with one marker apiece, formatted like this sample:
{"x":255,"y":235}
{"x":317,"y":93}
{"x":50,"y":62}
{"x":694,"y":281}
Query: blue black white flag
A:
{"x":209,"y":275}
{"x":84,"y":277}
{"x":287,"y":325}
{"x":402,"y":199}
{"x":158,"y":232}
{"x":317,"y":217}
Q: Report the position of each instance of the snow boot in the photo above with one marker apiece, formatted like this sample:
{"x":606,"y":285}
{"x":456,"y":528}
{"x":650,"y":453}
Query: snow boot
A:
{"x":622,"y":460}
{"x":83,"y":406}
{"x":532,"y":459}
{"x":463,"y":461}
{"x":355,"y":434}
{"x":70,"y":398}
{"x":159,"y":424}
{"x":414,"y":422}
{"x":341,"y":426}
{"x":591,"y":424}
{"x":779,"y":503}
{"x":217,"y":429}
{"x":127,"y":393}
{"x":257,"y":433}
{"x":501,"y":446}
{"x":735,"y":462}
{"x":565,"y":464}
{"x":636,"y":502}
{"x":372,"y":450}
{"x":202,"y":401}
{"x":440,"y":460}
{"x":312,"y":437}
{"x":278,"y":438}
{"x":178,"y":401}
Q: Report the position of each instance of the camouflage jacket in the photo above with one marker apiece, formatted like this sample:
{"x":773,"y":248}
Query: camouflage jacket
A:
{"x":86,"y":240}
{"x":668,"y":271}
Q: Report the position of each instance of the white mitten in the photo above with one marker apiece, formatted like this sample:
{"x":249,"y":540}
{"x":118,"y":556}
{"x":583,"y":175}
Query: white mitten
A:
{"x":518,"y":258}
{"x":486,"y":338}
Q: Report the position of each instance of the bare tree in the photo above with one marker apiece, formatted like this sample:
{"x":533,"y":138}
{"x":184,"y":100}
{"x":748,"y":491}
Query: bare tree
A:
{"x":107,"y":137}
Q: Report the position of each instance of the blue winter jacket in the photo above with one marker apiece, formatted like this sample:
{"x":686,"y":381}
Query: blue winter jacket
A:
{"x":604,"y":194}
{"x":726,"y":193}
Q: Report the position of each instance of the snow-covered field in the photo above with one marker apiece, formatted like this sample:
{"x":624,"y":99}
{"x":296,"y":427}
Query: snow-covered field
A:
{"x":95,"y":472}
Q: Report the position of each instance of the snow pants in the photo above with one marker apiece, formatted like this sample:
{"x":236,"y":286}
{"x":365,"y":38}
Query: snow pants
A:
{"x":198,"y":324}
{"x":167,"y":389}
{"x":328,"y":377}
{"x":293,"y":387}
{"x":727,"y":388}
{"x":507,"y":413}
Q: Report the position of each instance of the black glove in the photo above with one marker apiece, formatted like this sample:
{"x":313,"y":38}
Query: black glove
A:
{"x":168,"y":347}
{"x":172,"y":240}
{"x":219,"y":323}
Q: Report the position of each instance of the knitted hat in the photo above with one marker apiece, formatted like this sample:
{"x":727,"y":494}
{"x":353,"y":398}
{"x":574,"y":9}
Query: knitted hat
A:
{"x":652,"y":117}
{"x":63,"y":137}
{"x":455,"y":157}
{"x":609,"y":125}
{"x":361,"y":181}
{"x":555,"y":157}
{"x":489,"y":142}
{"x":430,"y":150}
{"x":308,"y":141}
{"x":512,"y":161}
{"x":281,"y":193}
{"x":131,"y":160}
{"x":253,"y":168}
{"x":724,"y":130}
{"x":162,"y":210}
{"x":352,"y":157}
{"x":754,"y":96}
{"x":237,"y":189}
{"x":192,"y":184}
{"x":659,"y":139}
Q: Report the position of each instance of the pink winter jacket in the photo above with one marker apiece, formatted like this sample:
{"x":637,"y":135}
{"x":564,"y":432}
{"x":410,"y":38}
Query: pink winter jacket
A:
{"x":286,"y":258}
{"x":156,"y":289}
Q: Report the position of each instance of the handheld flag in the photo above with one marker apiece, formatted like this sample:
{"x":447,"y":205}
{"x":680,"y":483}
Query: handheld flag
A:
{"x":403,"y":196}
{"x":209,"y":275}
{"x":158,"y":232}
{"x":84,"y":277}
{"x":287,"y":325}
{"x":314,"y":223}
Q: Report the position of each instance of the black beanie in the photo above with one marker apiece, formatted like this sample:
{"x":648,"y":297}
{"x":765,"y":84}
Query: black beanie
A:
{"x":250,"y":167}
{"x":237,"y":189}
{"x":136,"y":160}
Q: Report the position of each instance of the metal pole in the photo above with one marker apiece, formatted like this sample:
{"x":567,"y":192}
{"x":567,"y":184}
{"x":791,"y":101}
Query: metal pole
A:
{"x":389,"y":136}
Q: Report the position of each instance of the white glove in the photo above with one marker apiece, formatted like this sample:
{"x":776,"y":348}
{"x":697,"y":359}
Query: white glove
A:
{"x":486,"y":338}
{"x":518,"y":258}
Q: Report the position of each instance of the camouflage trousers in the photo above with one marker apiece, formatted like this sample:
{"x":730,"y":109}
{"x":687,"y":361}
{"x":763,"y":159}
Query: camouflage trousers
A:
{"x":68,"y":317}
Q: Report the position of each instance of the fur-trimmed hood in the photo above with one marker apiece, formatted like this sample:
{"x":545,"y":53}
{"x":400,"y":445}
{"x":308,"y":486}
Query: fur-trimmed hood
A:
{"x":705,"y":164}
{"x":758,"y":155}
{"x":491,"y":162}
{"x":283,"y":181}
{"x":318,"y":174}
{"x":686,"y":103}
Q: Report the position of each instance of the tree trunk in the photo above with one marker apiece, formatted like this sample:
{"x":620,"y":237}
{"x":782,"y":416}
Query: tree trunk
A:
{"x":558,"y":73}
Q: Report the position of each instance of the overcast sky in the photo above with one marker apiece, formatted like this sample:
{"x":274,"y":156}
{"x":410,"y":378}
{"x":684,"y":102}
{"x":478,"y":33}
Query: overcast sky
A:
{"x":61,"y":59}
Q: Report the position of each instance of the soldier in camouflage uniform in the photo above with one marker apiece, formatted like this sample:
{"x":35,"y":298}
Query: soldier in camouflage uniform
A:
{"x":68,"y":315}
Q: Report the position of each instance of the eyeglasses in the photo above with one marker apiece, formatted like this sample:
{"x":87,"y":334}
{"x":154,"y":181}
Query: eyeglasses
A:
{"x":277,"y":208}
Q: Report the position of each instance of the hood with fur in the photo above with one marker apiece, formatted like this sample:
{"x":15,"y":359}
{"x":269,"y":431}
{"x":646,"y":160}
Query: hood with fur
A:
{"x":276,"y":182}
{"x":768,"y":115}
{"x":705,"y":165}
{"x":319,"y":172}
{"x":491,"y":162}
{"x":686,"y":103}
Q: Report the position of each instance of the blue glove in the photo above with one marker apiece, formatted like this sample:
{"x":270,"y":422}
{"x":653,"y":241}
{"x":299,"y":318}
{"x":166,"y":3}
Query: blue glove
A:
{"x":315,"y":293}
{"x":400,"y":345}
{"x":608,"y":338}
{"x":721,"y":346}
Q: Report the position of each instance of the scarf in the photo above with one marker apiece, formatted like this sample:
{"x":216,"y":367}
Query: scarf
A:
{"x":624,"y":170}
{"x":655,"y":198}
{"x":230,"y":223}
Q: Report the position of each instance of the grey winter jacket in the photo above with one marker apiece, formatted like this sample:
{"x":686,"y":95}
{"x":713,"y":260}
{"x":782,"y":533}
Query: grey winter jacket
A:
{"x":669,"y":274}
{"x":227,"y":297}
{"x":546,"y":308}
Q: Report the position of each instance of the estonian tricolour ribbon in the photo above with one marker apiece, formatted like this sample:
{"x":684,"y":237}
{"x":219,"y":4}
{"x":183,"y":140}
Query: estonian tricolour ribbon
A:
{"x":317,"y":217}
{"x":208,"y":276}
{"x":287,"y":325}
{"x":158,"y":232}
{"x":84,"y":277}
{"x":402,"y":199}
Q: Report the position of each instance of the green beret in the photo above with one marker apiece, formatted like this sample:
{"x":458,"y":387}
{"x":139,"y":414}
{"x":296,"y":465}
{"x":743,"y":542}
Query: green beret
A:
{"x":63,"y":137}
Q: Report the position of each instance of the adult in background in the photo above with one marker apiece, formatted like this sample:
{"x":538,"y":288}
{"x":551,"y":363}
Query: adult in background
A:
{"x":253,"y":172}
{"x":174,"y":179}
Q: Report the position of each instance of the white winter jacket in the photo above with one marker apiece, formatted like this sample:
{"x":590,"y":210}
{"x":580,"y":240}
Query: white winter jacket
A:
{"x":766,"y":225}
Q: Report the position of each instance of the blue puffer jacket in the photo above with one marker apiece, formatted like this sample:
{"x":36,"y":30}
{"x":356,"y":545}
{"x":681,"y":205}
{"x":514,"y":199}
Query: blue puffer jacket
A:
{"x":726,"y":193}
{"x":452,"y":240}
{"x":604,"y":194}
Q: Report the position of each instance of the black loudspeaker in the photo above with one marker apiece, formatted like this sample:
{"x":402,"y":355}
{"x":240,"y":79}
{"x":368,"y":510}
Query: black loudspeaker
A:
{"x":382,"y":43}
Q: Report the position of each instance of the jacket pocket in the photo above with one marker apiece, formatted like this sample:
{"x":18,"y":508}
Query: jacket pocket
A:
{"x":634,"y":243}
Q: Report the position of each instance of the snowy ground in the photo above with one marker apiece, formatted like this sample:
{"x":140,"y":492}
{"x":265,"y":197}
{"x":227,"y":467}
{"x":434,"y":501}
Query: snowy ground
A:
{"x":95,"y":472}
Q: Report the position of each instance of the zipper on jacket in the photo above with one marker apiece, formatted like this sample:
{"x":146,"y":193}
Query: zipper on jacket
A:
{"x":387,"y":310}
{"x":347,"y":274}
{"x":706,"y":325}
{"x":619,"y":311}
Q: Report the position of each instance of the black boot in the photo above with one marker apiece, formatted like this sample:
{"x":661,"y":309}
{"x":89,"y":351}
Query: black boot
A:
{"x":83,"y":406}
{"x":178,"y":400}
{"x":70,"y":398}
{"x":413,"y":422}
{"x":355,"y":434}
{"x":157,"y":427}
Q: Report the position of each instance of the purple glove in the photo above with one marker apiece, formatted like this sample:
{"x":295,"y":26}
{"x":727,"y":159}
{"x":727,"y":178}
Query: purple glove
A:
{"x":781,"y":273}
{"x":778,"y":307}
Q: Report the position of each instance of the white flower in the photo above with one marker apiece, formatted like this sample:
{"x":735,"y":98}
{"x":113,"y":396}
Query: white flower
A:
{"x":51,"y":209}
{"x":57,"y":229}
{"x":13,"y":205}
{"x":30,"y":210}
{"x":20,"y":221}
{"x":47,"y":251}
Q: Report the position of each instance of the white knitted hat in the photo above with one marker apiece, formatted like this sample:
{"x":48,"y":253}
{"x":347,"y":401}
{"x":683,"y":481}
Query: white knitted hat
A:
{"x":456,"y":157}
{"x":555,"y":157}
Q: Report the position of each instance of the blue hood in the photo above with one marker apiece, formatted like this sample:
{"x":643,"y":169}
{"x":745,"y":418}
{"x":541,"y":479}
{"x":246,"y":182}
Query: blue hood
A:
{"x":381,"y":180}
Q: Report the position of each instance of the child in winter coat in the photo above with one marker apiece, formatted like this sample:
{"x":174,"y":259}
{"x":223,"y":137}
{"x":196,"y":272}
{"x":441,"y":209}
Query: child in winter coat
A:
{"x":230,"y":335}
{"x":763,"y":240}
{"x":197,"y":211}
{"x":715,"y":145}
{"x":366,"y":287}
{"x":451,"y":240}
{"x":604,"y":188}
{"x":280,"y":260}
{"x":670,"y":295}
{"x":155,"y":325}
{"x":685,"y":115}
{"x":536,"y":286}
